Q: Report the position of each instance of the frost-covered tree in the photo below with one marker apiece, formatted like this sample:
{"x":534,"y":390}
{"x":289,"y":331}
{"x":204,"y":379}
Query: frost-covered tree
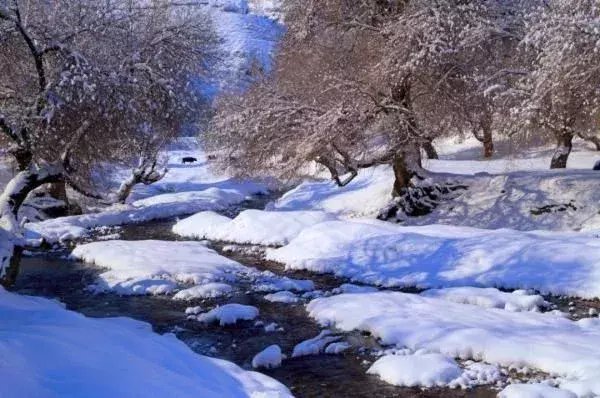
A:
{"x":370,"y":82}
{"x":83,"y":81}
{"x":560,"y":94}
{"x":86,"y":82}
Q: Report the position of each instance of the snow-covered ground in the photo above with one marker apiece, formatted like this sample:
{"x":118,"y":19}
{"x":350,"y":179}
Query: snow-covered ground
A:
{"x":47,"y":351}
{"x":561,"y":347}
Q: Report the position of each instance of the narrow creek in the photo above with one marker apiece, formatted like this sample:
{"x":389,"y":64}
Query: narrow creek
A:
{"x":53,"y":275}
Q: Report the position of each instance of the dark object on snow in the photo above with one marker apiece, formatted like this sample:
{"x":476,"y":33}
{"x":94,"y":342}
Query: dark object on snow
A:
{"x":597,"y":165}
{"x":188,"y":160}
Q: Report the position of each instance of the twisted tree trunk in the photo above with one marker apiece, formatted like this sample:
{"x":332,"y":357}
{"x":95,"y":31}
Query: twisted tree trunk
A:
{"x":564,"y":145}
{"x":406,"y":165}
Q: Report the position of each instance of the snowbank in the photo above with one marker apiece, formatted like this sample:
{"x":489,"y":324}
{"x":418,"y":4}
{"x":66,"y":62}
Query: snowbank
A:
{"x":282,"y":297}
{"x":250,"y":226}
{"x":418,"y":370}
{"x":436,"y":256}
{"x":553,"y":200}
{"x":48,"y":351}
{"x":551,"y":344}
{"x":134,"y":266}
{"x":519,"y":300}
{"x":316,"y":345}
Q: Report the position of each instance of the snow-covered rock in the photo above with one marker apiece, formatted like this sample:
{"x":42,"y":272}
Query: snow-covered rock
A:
{"x":434,"y":256}
{"x":269,"y":358}
{"x":519,"y":300}
{"x":229,"y":314}
{"x":282,"y":297}
{"x":555,"y":345}
{"x":314,"y":346}
{"x":137,"y":267}
{"x":534,"y":391}
{"x":425,"y":370}
{"x":47,"y":351}
{"x":209,"y":290}
{"x":251,"y":226}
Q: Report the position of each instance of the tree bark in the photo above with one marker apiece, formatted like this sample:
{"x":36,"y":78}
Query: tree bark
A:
{"x":564,"y":145}
{"x":430,"y":149}
{"x":488,"y":143}
{"x":406,"y":165}
{"x":8,"y":276}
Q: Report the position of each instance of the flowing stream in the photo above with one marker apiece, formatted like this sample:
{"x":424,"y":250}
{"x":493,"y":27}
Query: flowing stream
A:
{"x":53,"y":275}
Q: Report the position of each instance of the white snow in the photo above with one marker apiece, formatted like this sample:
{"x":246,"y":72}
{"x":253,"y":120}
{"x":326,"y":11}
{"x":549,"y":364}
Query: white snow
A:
{"x":136,"y":265}
{"x":229,"y":314}
{"x":519,"y":300}
{"x":534,"y":391}
{"x":337,"y":348}
{"x":209,"y":290}
{"x":269,"y":282}
{"x":316,"y":345}
{"x":47,"y":351}
{"x":435,"y":256}
{"x":424,"y":370}
{"x":7,"y":241}
{"x":250,"y":226}
{"x":352,"y":288}
{"x":269,"y":358}
{"x":282,"y":297}
{"x":554,"y":345}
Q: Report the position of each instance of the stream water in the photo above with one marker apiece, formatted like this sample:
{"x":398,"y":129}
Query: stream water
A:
{"x":53,"y":275}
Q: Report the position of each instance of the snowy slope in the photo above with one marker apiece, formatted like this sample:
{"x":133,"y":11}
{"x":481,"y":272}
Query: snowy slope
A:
{"x":47,"y":351}
{"x":380,"y":253}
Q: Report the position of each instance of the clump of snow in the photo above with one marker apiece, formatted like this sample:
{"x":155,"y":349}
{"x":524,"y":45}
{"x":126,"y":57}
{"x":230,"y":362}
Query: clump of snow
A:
{"x":425,"y":370}
{"x":518,"y":300}
{"x":337,"y":348}
{"x":48,"y":351}
{"x":209,"y":290}
{"x":435,"y":256}
{"x":269,"y":358}
{"x":477,"y":374}
{"x":352,"y":288}
{"x":555,"y":345}
{"x":273,"y":327}
{"x":250,"y":226}
{"x":229,"y":314}
{"x":282,"y":297}
{"x":316,"y":345}
{"x":534,"y":391}
{"x":137,"y":267}
{"x":269,"y":282}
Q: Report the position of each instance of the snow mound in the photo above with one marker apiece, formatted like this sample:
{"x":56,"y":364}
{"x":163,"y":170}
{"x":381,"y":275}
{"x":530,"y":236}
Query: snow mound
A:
{"x":314,"y":346}
{"x":554,"y":345}
{"x":250,"y":226}
{"x":136,"y":267}
{"x":351,"y":288}
{"x":50,"y":352}
{"x":534,"y":391}
{"x":282,"y":297}
{"x":209,"y":290}
{"x":519,"y":300}
{"x":425,"y":370}
{"x":229,"y":314}
{"x":269,"y":358}
{"x":435,"y":256}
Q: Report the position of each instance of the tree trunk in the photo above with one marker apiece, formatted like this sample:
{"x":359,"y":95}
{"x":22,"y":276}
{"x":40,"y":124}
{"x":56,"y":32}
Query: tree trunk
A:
{"x":430,"y":149}
{"x":406,"y":164}
{"x":126,"y":188}
{"x":564,"y":145}
{"x":9,"y":274}
{"x":488,"y":143}
{"x":17,"y":190}
{"x":58,"y":190}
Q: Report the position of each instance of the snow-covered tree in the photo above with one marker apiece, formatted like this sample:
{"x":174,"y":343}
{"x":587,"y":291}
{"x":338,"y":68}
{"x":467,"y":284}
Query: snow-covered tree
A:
{"x":560,"y":94}
{"x":370,"y":82}
{"x":85,"y":82}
